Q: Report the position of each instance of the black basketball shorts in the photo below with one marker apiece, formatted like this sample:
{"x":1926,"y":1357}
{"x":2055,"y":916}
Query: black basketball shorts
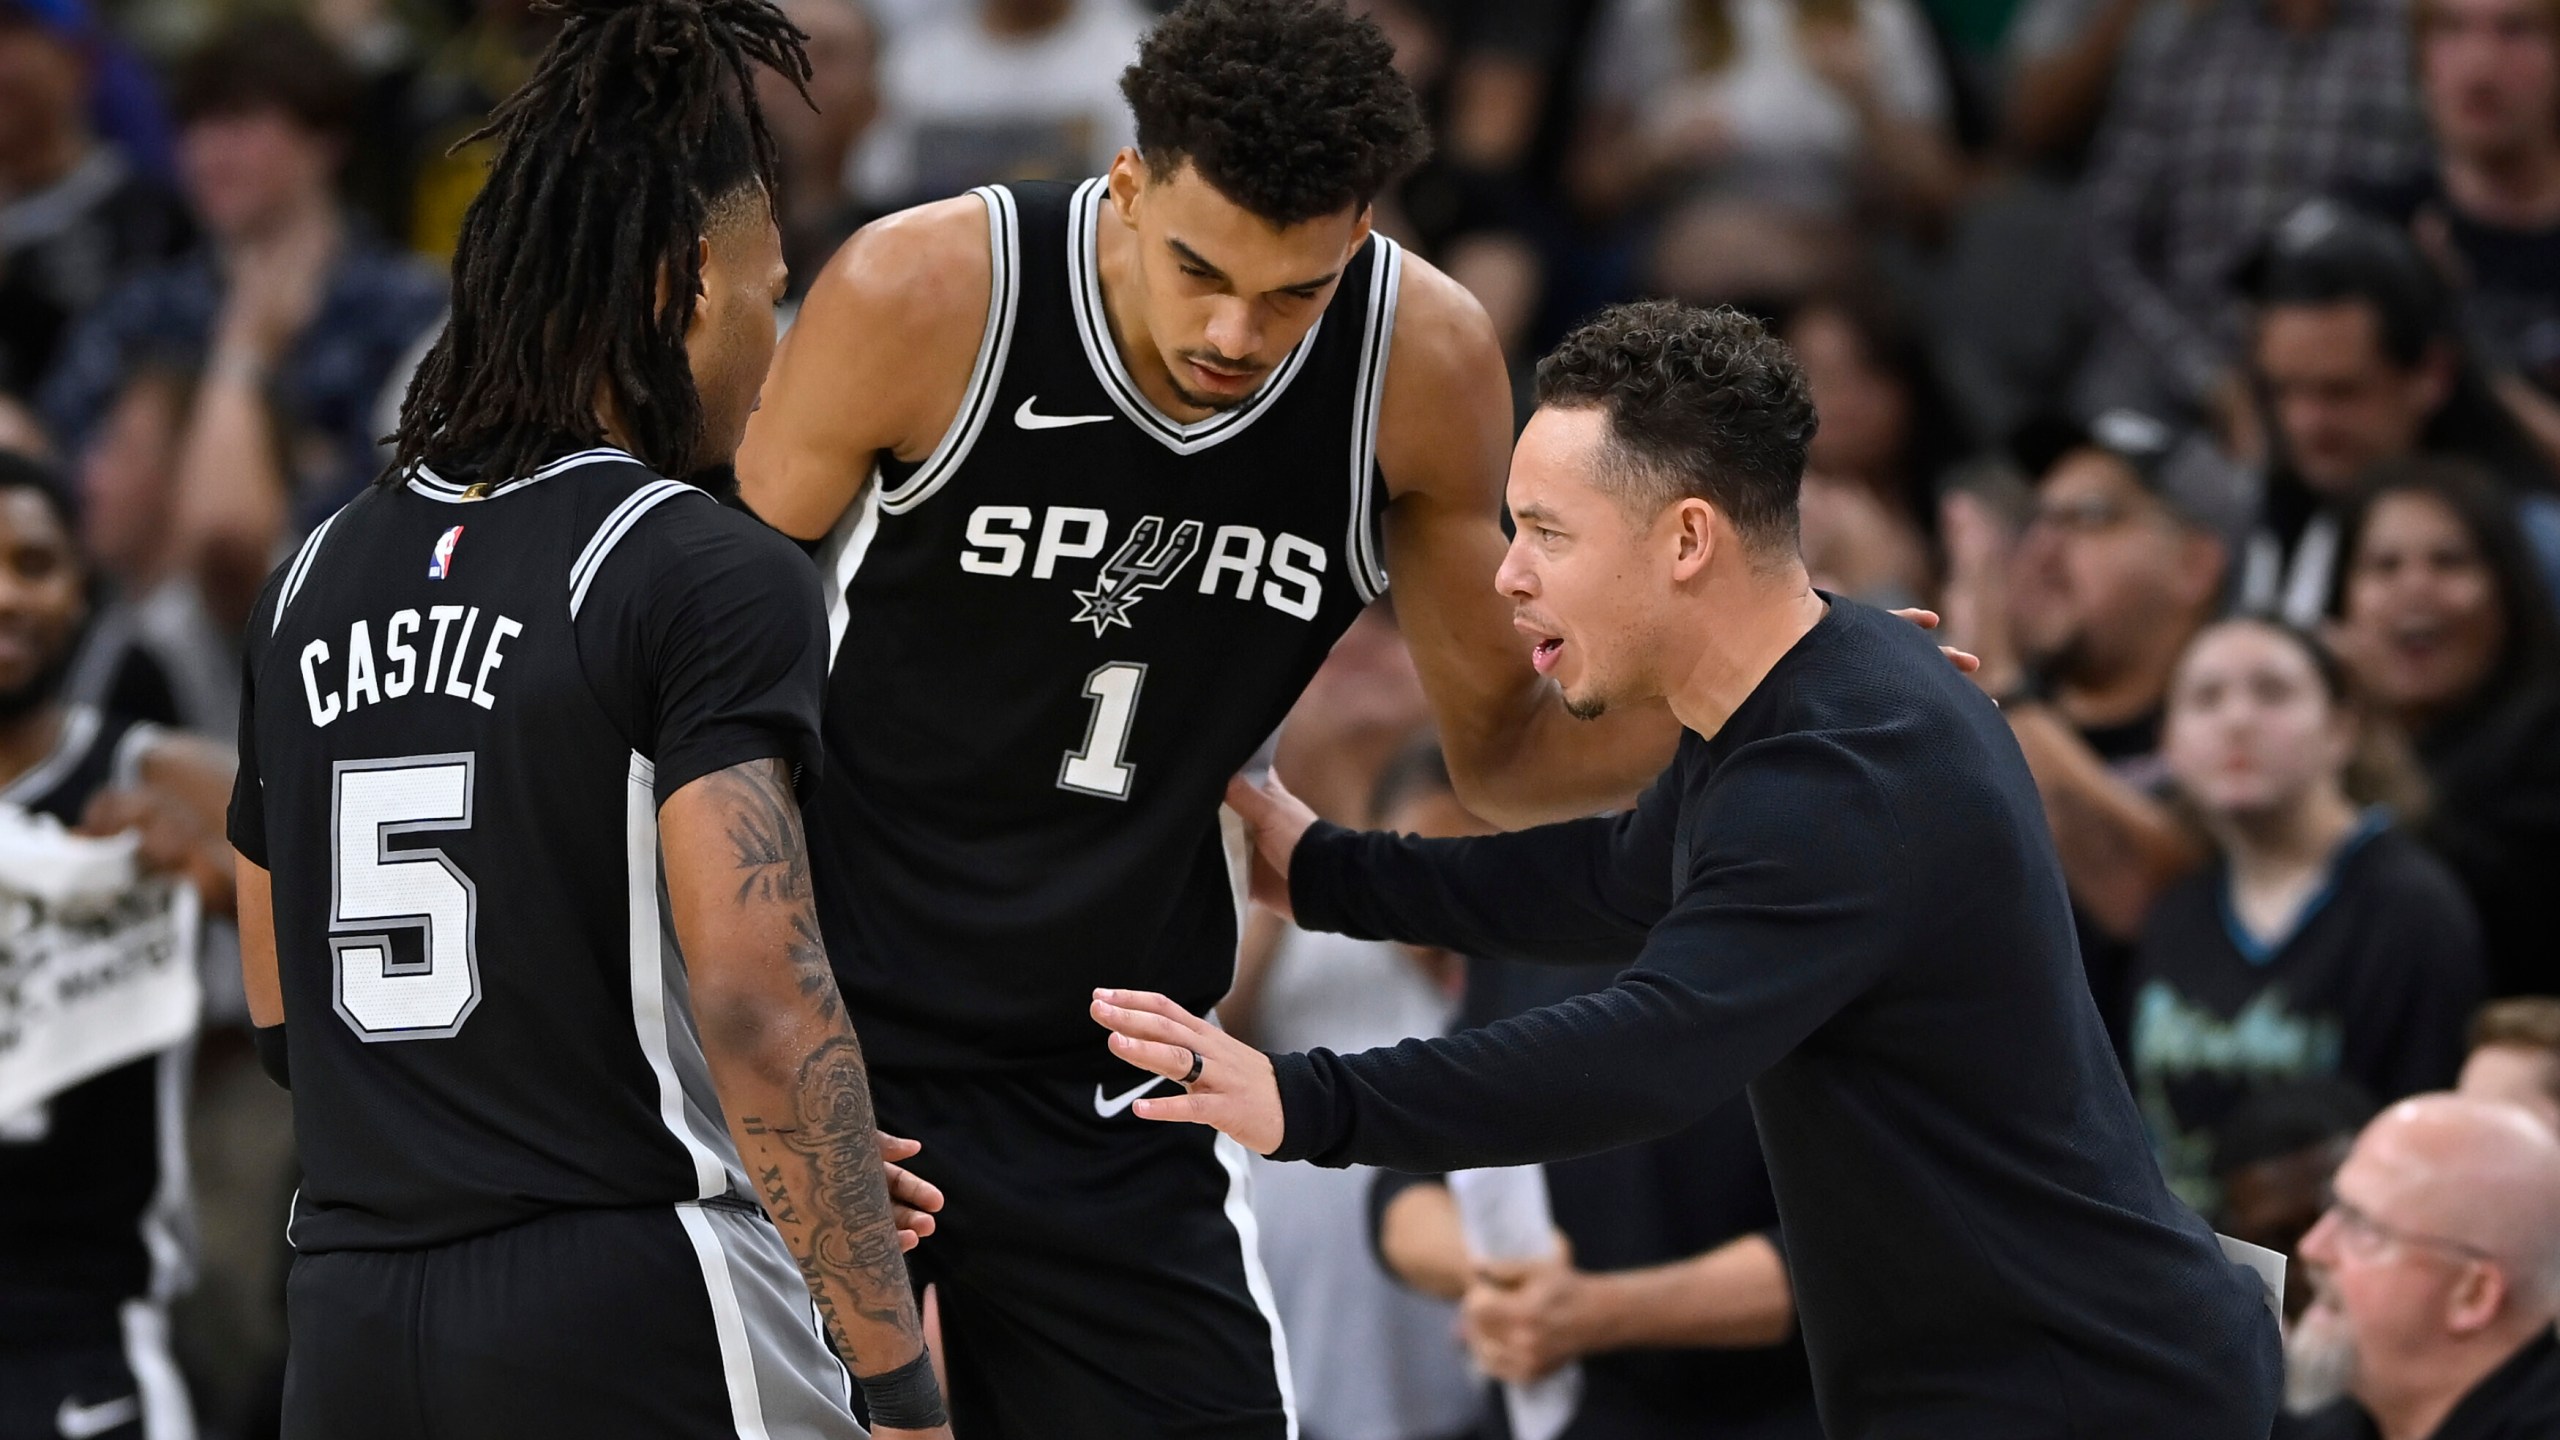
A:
{"x":666,"y":1323}
{"x":1096,"y":1272}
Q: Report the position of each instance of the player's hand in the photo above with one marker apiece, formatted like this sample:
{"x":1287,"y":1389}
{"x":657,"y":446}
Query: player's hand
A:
{"x":171,"y":839}
{"x":913,"y":1200}
{"x":1928,"y":620}
{"x":1522,"y":1320}
{"x":1236,"y":1093}
{"x":1276,"y":820}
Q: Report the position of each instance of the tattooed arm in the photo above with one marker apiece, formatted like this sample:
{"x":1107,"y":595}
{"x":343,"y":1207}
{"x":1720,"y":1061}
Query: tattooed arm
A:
{"x":783,"y":1055}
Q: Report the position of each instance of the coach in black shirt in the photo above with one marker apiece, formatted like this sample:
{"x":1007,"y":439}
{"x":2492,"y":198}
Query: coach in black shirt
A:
{"x":1848,"y":902}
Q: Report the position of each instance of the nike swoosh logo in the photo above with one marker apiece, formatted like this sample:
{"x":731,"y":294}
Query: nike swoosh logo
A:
{"x":1028,"y":420}
{"x":1110,"y":1108}
{"x":81,"y":1422}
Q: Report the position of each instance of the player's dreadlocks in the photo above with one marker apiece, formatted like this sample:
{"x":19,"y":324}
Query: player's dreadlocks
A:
{"x":578,"y":262}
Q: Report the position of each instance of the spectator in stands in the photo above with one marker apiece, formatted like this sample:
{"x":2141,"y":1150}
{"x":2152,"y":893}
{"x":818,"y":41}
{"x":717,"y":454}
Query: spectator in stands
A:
{"x":1672,"y":1290}
{"x":152,"y":651}
{"x":480,"y":64}
{"x":2356,"y":353}
{"x":2487,"y":209}
{"x":2256,"y":106}
{"x":2066,"y":59}
{"x":22,"y":430}
{"x":2515,"y":1056}
{"x":94,"y":1233}
{"x":2080,"y":625}
{"x":76,"y":214}
{"x":818,"y":136}
{"x":2451,"y":633}
{"x":2321,"y":939}
{"x":1760,"y":131}
{"x":294,"y":316}
{"x":2438,"y":1280}
{"x":2273,"y":1159}
{"x":999,"y":90}
{"x":1887,"y":439}
{"x":1369,"y":1359}
{"x":1494,"y":80}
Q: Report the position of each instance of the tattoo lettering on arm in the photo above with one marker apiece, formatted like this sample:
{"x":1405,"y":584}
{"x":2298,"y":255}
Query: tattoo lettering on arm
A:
{"x":772,"y":863}
{"x":806,"y":1128}
{"x":851,"y":1228}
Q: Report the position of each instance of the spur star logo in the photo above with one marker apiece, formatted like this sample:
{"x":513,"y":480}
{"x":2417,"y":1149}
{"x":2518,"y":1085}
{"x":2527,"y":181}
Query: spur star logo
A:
{"x":1147,"y":561}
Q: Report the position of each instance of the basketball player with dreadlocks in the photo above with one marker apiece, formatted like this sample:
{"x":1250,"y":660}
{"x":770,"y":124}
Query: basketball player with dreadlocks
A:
{"x":1102,"y":471}
{"x":524,"y":901}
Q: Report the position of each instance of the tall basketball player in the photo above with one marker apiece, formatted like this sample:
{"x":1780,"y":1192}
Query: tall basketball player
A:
{"x":524,"y":902}
{"x":1102,"y":471}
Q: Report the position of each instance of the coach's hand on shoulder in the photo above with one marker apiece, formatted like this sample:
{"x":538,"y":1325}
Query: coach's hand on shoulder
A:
{"x":1277,"y":820}
{"x":1963,"y":660}
{"x":1231,"y":1086}
{"x":913,"y":1200}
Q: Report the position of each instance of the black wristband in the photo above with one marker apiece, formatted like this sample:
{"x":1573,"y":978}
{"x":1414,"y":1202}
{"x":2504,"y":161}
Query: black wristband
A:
{"x":269,"y":1040}
{"x":906,"y":1398}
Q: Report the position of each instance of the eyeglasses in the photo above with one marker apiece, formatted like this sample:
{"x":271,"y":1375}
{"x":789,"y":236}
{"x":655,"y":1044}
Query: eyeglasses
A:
{"x":2366,"y":1238}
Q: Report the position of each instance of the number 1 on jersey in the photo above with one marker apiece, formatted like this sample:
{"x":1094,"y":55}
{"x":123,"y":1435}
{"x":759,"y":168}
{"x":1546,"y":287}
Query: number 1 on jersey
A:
{"x":1098,"y":769}
{"x":375,"y":890}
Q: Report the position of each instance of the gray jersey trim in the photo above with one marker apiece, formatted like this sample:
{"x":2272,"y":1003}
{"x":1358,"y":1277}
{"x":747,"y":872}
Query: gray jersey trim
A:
{"x":300,"y":572}
{"x":784,"y":1383}
{"x":426,"y":482}
{"x":1377,"y":344}
{"x":657,"y":1013}
{"x":616,"y":525}
{"x":79,"y":731}
{"x":995,"y":343}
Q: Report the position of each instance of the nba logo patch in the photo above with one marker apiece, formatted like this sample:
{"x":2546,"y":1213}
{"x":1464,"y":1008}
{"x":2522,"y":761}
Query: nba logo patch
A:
{"x":440,"y":565}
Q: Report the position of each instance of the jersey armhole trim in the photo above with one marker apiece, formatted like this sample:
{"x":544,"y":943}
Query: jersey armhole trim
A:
{"x":80,"y":726}
{"x":1377,"y":344}
{"x":140,"y":738}
{"x":616,"y":525}
{"x":299,"y":572}
{"x":1004,"y":298}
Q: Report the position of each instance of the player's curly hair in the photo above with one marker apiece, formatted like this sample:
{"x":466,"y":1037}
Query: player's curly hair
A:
{"x":1703,"y":403}
{"x":638,"y":132}
{"x":1290,"y":108}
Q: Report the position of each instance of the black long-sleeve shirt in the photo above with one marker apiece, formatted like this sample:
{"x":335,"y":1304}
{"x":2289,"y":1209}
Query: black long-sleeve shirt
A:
{"x":1848,"y":902}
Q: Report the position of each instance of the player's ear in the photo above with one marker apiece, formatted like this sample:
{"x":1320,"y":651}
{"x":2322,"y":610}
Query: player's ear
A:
{"x":1689,"y":530}
{"x":1361,"y":227}
{"x":1127,"y":180}
{"x":701,"y":288}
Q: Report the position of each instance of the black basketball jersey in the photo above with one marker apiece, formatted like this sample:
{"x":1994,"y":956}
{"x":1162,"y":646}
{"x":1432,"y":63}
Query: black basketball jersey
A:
{"x":1054,"y":641}
{"x":460,"y":716}
{"x":93,"y":1182}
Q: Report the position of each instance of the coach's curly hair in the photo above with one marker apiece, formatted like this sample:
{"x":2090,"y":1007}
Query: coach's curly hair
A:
{"x":1703,"y":403}
{"x":636,"y":133}
{"x":1290,"y":108}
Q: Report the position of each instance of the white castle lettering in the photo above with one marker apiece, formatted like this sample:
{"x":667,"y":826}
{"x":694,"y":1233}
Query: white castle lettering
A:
{"x":400,"y":673}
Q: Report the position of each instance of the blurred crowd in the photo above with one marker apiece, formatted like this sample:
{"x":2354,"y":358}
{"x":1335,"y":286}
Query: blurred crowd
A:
{"x":2199,"y":360}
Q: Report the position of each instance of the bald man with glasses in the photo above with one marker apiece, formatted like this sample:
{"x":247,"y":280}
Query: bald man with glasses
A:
{"x":2436,"y":1282}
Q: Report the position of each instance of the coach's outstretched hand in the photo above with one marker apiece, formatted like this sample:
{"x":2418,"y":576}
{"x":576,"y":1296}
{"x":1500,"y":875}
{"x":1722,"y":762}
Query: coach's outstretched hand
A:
{"x":1234,"y":1092}
{"x":1276,"y":820}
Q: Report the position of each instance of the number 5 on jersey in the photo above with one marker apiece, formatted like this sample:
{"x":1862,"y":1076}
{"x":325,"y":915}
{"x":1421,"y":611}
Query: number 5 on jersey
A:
{"x":1099,"y":768}
{"x":376,"y":891}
